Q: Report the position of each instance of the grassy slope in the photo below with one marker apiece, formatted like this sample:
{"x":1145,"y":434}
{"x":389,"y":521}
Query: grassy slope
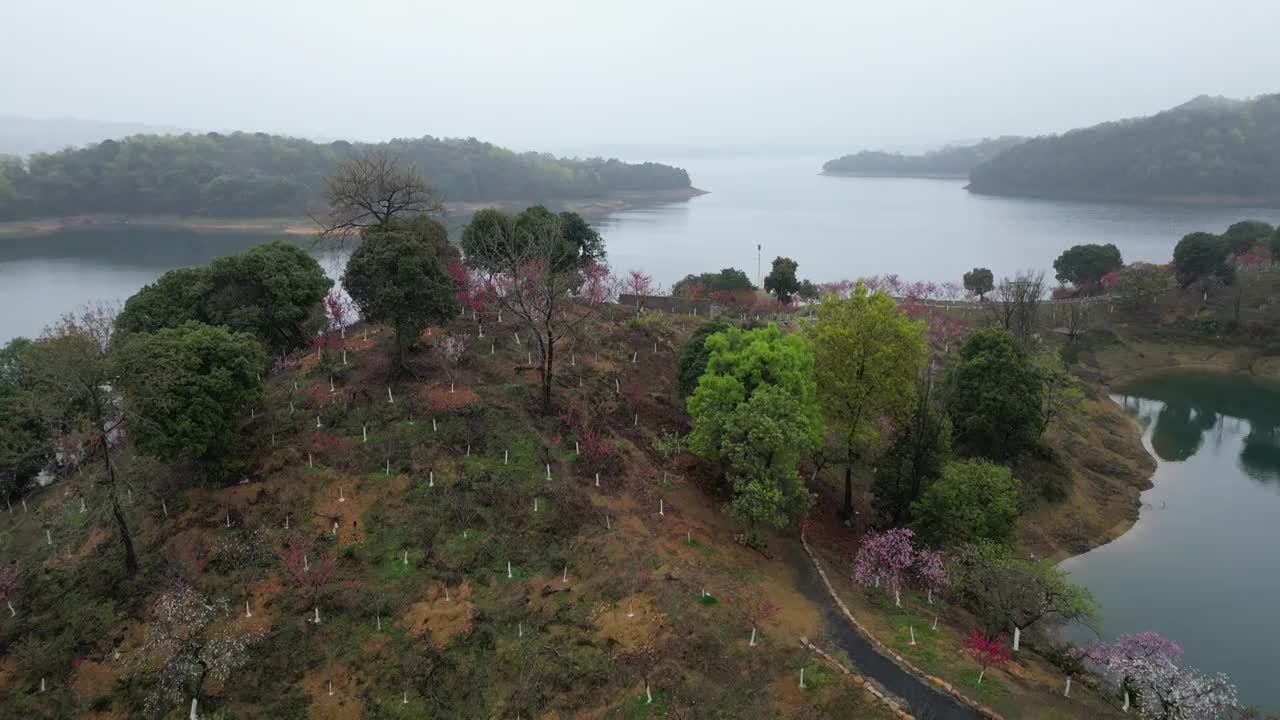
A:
{"x":532,"y":645}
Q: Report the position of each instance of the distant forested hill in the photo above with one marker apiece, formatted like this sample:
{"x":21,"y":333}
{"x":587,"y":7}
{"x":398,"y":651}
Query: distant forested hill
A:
{"x":258,"y":175}
{"x":953,"y":160}
{"x":1207,"y":150}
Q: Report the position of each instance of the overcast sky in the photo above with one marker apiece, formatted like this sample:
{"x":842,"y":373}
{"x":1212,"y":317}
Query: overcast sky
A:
{"x":567,"y":74}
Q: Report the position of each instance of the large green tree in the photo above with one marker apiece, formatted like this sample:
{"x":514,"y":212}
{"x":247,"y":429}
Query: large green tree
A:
{"x":1246,"y":234}
{"x":692,"y":360}
{"x":1084,"y":265}
{"x":703,"y":284}
{"x":781,"y":282}
{"x":398,"y":278}
{"x":187,"y":388}
{"x":755,"y":411}
{"x":973,"y":501}
{"x":1202,"y":256}
{"x":271,"y":290}
{"x":494,"y":241}
{"x":868,"y":356}
{"x":979,"y":281}
{"x":21,"y":452}
{"x":997,"y":396}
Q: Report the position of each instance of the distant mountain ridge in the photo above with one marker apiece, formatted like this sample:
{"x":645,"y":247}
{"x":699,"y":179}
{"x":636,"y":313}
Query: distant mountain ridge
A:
{"x":1209,"y":150}
{"x":260,"y":175}
{"x":950,"y":161}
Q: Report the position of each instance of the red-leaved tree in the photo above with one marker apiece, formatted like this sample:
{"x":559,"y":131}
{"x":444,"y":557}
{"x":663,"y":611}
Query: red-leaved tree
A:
{"x":986,"y":652}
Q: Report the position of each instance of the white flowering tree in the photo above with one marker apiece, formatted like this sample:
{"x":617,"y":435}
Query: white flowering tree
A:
{"x":182,"y":650}
{"x":1145,"y":665}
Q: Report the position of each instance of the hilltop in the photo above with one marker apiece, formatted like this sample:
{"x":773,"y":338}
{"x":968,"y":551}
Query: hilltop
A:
{"x":950,"y":161}
{"x":1206,"y":151}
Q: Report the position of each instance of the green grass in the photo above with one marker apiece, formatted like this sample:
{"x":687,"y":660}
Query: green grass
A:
{"x":817,"y":675}
{"x":990,"y":689}
{"x":393,"y":570}
{"x":639,"y":706}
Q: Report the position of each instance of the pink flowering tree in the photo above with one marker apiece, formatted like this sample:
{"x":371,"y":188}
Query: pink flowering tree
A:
{"x":1145,"y":668}
{"x":884,"y":557}
{"x":930,"y":572}
{"x":598,"y":285}
{"x":987,"y":652}
{"x":640,"y":285}
{"x":339,"y":311}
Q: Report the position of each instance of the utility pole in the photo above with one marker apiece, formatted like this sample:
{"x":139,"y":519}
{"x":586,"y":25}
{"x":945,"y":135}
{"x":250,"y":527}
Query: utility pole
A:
{"x":759,"y":277}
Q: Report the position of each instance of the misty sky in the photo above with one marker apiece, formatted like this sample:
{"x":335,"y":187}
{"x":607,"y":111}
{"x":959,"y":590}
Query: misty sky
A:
{"x":566,"y":74}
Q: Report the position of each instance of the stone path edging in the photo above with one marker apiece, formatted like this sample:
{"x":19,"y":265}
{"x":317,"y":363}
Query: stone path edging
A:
{"x":860,"y":681}
{"x":937,"y":682}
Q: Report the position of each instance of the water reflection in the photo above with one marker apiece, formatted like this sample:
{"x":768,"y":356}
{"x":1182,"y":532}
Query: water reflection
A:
{"x":1187,"y":409}
{"x":1199,"y":565}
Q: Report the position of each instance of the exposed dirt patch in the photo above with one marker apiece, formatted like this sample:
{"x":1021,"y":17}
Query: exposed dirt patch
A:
{"x":439,"y":618}
{"x":633,"y":625}
{"x":94,"y":679}
{"x":440,"y":399}
{"x":344,"y":502}
{"x":345,"y":702}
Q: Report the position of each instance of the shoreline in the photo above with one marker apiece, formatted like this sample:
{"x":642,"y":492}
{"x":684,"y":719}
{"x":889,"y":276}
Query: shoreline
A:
{"x":1110,"y":466}
{"x":305,"y":227}
{"x":1196,"y":200}
{"x":893,"y":175}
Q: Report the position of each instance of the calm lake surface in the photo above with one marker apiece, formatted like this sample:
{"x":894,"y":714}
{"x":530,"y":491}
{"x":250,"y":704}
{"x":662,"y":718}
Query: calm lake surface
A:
{"x":835,"y":227}
{"x":1200,"y":566}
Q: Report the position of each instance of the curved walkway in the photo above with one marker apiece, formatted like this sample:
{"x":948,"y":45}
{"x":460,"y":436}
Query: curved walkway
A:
{"x":923,"y":701}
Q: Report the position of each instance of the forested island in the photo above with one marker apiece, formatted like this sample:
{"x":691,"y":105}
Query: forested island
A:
{"x":1207,"y":151}
{"x":950,"y":161}
{"x":259,"y":175}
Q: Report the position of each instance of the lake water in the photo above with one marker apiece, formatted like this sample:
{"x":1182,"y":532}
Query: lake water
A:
{"x":834,"y":227}
{"x":1200,"y":566}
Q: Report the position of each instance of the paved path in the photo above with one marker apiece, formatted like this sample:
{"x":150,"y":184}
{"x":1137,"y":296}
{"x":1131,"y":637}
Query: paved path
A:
{"x":924,"y":701}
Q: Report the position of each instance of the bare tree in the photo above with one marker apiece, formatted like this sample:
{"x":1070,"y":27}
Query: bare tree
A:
{"x":1077,"y":318}
{"x":1016,"y":303}
{"x":536,"y":280}
{"x":371,"y":189}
